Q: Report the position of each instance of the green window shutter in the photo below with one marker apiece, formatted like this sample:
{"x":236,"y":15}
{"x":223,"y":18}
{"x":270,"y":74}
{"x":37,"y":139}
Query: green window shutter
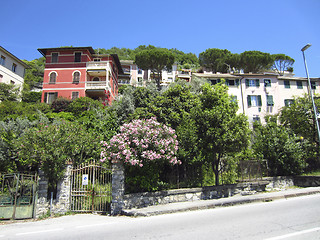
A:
{"x":249,"y":101}
{"x":257,"y":83}
{"x":45,"y":97}
{"x":247,"y":82}
{"x":270,"y":100}
{"x":237,"y":82}
{"x":259,"y":101}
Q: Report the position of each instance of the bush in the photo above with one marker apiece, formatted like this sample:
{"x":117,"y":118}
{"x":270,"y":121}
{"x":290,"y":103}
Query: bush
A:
{"x":79,"y":106}
{"x":60,"y":104}
{"x":144,"y":144}
{"x":31,"y":97}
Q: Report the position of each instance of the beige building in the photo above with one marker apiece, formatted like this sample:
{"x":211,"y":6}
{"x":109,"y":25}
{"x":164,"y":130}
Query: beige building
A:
{"x":261,"y":94}
{"x":12,"y":69}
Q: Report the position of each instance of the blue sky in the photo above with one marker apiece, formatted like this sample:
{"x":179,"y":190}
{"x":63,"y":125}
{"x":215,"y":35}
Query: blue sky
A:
{"x":273,"y":26}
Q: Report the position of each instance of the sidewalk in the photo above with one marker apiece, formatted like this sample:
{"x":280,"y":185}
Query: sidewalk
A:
{"x":222,"y":202}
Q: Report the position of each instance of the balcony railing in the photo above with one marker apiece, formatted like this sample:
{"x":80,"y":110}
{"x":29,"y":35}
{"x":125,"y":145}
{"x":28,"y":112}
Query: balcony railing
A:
{"x":97,"y":65}
{"x":96,"y":84}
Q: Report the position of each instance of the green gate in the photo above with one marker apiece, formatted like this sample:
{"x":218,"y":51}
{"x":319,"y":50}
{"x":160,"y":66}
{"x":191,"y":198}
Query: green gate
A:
{"x":17,"y":196}
{"x":91,"y":189}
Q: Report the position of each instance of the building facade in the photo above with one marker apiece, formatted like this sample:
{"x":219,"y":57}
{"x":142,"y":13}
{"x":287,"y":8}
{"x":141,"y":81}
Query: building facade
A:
{"x":12,"y":69}
{"x":74,"y":72}
{"x":138,"y":77}
{"x":259,"y":95}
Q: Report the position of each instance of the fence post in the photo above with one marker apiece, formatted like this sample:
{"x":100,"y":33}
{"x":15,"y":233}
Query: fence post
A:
{"x":117,"y":187}
{"x":41,"y":202}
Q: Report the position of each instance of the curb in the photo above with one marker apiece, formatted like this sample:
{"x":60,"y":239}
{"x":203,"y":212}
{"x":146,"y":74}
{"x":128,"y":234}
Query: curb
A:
{"x":216,"y":203}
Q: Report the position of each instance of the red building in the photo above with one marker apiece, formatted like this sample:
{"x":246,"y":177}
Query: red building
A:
{"x":74,"y":72}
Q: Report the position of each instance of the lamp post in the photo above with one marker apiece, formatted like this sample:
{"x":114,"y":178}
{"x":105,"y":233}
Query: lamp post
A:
{"x":310,"y":90}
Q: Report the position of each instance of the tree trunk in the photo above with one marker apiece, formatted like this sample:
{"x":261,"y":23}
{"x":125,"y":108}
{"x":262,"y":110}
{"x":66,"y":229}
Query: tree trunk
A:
{"x":215,"y":167}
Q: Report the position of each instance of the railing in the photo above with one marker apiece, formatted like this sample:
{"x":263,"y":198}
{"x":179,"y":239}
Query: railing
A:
{"x":99,"y":65}
{"x":96,"y":84}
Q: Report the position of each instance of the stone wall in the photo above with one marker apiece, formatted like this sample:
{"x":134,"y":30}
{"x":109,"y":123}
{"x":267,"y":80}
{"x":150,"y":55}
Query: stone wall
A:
{"x":139,"y":200}
{"x":59,"y":205}
{"x":307,"y":181}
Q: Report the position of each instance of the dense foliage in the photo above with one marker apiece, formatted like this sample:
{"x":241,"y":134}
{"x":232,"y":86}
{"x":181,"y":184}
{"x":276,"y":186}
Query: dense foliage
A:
{"x":283,"y":150}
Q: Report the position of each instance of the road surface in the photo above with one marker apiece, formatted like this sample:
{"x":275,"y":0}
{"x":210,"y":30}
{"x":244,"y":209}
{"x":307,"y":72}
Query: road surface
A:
{"x":295,"y":218}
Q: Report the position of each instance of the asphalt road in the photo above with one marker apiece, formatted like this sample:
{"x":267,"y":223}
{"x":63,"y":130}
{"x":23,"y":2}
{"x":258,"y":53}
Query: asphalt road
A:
{"x":295,"y":218}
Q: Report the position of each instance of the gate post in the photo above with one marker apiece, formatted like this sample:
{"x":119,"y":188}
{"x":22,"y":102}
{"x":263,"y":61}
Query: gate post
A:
{"x":117,"y":187}
{"x":63,"y":191}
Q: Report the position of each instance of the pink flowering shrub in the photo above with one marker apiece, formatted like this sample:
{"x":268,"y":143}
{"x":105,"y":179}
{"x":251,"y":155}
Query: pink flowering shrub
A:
{"x":142,"y":141}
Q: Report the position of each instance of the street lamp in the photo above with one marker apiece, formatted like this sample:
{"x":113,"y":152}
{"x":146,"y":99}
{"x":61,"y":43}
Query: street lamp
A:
{"x":310,"y":89}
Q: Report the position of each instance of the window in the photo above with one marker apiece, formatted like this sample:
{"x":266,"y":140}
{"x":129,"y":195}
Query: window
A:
{"x":97,"y":59}
{"x":256,"y":118}
{"x":53,"y":78}
{"x":12,"y":82}
{"x":14,"y":67}
{"x":234,"y":99}
{"x":75,"y":95}
{"x":230,"y":82}
{"x":288,"y":102}
{"x":96,"y":79}
{"x":54,"y":57}
{"x":77,"y":57}
{"x":286,"y":84}
{"x":313,"y":85}
{"x":252,"y":83}
{"x":1,"y":76}
{"x":49,"y":97}
{"x":267,"y":82}
{"x":214,"y":81}
{"x":270,"y":100}
{"x":254,"y":101}
{"x":76,"y":77}
{"x":299,"y":85}
{"x":139,"y":71}
{"x":2,"y":60}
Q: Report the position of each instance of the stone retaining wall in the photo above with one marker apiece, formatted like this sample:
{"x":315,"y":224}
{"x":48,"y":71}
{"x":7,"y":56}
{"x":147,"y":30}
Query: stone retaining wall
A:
{"x":140,"y":200}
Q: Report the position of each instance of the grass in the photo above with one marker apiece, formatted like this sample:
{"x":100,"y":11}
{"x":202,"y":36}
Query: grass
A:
{"x":315,"y":173}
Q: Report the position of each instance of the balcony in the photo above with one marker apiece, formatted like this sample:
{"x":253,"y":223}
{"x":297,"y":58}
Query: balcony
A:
{"x":97,"y":69}
{"x":96,"y":85}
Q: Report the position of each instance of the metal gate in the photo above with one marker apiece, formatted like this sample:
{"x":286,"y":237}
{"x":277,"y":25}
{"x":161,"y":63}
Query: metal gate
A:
{"x":17,"y":196}
{"x":91,"y":189}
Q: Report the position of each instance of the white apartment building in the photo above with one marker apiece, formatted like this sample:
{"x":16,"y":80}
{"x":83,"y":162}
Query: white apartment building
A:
{"x":135,"y":76}
{"x":261,"y":94}
{"x":12,"y":69}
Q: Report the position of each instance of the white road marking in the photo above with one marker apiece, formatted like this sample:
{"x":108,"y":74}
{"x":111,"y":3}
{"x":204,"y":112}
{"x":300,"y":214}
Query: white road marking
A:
{"x":295,"y":234}
{"x":43,"y":231}
{"x":94,"y":225}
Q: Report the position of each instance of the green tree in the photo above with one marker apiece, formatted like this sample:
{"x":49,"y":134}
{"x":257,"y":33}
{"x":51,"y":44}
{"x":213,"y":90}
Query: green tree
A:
{"x":10,"y":131}
{"x":13,"y":110}
{"x":255,"y":61}
{"x":51,"y":146}
{"x":34,"y":75}
{"x":220,"y":129}
{"x":215,"y":59}
{"x":299,"y":117}
{"x":156,"y":60}
{"x":282,"y":149}
{"x":8,"y":92}
{"x":282,"y":63}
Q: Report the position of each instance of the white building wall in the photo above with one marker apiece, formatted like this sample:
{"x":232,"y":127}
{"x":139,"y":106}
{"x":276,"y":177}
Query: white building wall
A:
{"x":7,"y":75}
